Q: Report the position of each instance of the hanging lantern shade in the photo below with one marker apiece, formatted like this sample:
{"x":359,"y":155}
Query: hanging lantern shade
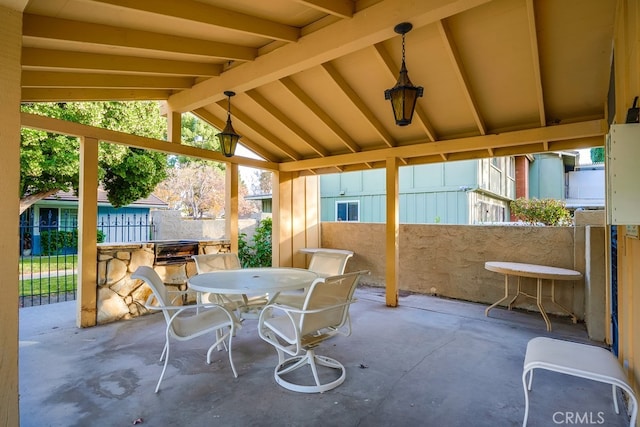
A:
{"x":228,"y":137}
{"x":404,"y":94}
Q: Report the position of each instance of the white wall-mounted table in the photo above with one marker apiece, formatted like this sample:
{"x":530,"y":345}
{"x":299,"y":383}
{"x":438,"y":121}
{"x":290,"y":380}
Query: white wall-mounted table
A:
{"x":312,"y":251}
{"x":538,"y":272}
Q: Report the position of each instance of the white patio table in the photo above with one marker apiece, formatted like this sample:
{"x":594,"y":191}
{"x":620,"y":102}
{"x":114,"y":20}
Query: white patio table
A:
{"x":538,"y":272}
{"x":249,"y":281}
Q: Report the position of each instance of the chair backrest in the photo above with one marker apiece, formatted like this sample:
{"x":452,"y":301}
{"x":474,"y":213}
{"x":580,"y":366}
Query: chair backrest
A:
{"x":327,"y":264}
{"x":151,"y":278}
{"x":331,"y":291}
{"x":219,"y":261}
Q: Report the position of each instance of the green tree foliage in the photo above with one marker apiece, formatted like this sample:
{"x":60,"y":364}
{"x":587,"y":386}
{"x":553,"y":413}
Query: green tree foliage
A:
{"x":50,"y":162}
{"x":541,"y":211}
{"x":597,"y":155}
{"x":257,"y":254}
{"x":197,"y":133}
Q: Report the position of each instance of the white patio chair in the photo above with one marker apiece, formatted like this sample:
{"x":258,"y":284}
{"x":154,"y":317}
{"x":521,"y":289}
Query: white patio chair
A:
{"x":241,"y":304}
{"x":325,"y":264}
{"x":296,"y":332}
{"x":212,"y":318}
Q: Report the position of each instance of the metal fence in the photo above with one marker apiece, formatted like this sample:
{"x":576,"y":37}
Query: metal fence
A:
{"x":126,"y":228}
{"x":48,"y":253}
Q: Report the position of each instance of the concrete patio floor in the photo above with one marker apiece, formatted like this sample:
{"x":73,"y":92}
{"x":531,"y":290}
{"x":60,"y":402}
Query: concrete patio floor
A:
{"x":429,"y":362}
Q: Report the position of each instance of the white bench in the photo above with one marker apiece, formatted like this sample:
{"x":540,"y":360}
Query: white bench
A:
{"x":580,"y":360}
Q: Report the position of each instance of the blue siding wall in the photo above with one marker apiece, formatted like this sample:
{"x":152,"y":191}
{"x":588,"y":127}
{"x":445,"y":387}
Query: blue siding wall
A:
{"x":546,"y":177}
{"x":433,"y":193}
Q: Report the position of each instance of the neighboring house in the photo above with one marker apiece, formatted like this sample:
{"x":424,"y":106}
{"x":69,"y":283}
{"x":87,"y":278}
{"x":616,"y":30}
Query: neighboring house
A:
{"x":60,"y":213}
{"x":463,"y":192}
{"x":266,"y":208}
{"x":460,"y":192}
{"x":560,"y":176}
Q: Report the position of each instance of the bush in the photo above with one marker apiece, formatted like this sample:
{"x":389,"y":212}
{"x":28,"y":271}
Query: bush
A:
{"x":257,"y":254}
{"x":541,"y":211}
{"x":52,"y":242}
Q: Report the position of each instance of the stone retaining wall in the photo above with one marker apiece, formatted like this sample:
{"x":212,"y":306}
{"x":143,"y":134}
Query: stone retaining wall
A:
{"x":120,"y":296}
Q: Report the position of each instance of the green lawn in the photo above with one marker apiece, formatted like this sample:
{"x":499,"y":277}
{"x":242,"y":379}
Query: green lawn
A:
{"x":48,"y":285}
{"x":39,"y":264}
{"x":51,"y":283}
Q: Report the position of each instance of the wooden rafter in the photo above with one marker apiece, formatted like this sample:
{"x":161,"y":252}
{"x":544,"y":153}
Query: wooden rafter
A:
{"x":339,"y":8}
{"x":76,"y":31}
{"x":535,"y":56}
{"x":33,"y":58}
{"x":371,"y":25}
{"x":94,"y":80}
{"x":84,"y":94}
{"x":199,"y":12}
{"x":263,"y":132}
{"x":210,"y":118}
{"x":331,"y":124}
{"x":366,"y":112}
{"x":458,"y":69}
{"x":288,"y":122}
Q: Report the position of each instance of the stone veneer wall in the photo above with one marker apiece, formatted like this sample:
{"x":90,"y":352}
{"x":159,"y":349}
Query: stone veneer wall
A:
{"x":120,"y":296}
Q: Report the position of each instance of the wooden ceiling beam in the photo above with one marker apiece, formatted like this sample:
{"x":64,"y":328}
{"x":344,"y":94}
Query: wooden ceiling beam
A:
{"x":368,"y":26}
{"x":54,"y":79}
{"x":339,"y":8}
{"x":45,"y":27}
{"x":50,"y":59}
{"x":331,"y":124}
{"x":64,"y":127}
{"x":84,"y":94}
{"x":288,"y":123}
{"x":458,"y":69}
{"x":189,"y":10}
{"x":591,"y":130}
{"x":366,"y":112}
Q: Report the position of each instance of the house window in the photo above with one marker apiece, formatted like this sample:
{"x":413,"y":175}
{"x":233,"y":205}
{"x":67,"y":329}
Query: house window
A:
{"x":348,"y":211}
{"x":495,"y":162}
{"x":68,"y":219}
{"x":511,"y":167}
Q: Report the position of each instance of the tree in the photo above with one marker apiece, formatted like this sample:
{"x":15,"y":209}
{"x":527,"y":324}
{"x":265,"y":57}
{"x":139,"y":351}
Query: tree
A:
{"x":260,"y":181}
{"x":194,"y":186}
{"x":597,"y":155}
{"x":195,"y":189}
{"x":50,"y":163}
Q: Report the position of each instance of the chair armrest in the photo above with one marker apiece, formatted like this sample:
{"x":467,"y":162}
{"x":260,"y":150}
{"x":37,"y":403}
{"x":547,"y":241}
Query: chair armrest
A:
{"x":177,"y":294}
{"x":179,"y":308}
{"x":290,"y":309}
